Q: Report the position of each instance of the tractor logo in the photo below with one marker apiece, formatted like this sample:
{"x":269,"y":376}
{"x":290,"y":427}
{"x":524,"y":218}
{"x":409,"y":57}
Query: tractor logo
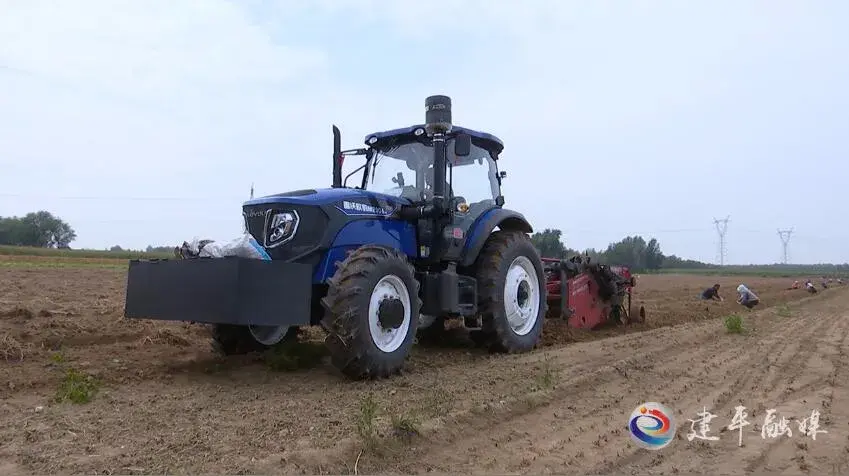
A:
{"x":280,"y":227}
{"x":651,"y":426}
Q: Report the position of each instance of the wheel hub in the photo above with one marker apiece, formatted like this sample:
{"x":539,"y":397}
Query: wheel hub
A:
{"x":521,"y":296}
{"x":390,"y":313}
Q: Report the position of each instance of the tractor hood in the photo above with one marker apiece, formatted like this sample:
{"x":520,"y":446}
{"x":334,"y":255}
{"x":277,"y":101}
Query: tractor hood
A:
{"x":294,"y":224}
{"x":325,"y":196}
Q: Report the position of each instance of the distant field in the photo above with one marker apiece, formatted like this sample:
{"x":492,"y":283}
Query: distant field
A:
{"x":6,"y":250}
{"x":763,"y":271}
{"x":17,"y":256}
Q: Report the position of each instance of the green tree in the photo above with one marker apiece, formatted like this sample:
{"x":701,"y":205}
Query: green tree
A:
{"x":40,"y":229}
{"x":549,"y":245}
{"x":654,"y":257}
{"x":630,"y":251}
{"x":159,"y":249}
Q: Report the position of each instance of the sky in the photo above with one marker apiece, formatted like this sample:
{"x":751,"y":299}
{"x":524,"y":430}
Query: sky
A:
{"x":145,"y":123}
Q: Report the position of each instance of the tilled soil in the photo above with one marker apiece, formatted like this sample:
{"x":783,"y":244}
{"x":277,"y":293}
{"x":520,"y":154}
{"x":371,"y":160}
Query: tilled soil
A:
{"x":165,"y":403}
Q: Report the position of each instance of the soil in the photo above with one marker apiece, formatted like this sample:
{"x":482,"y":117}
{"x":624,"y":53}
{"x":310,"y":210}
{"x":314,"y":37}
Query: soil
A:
{"x":164,"y":403}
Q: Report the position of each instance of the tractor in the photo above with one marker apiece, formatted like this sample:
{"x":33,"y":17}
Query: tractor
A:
{"x":589,"y":295}
{"x":419,"y":237}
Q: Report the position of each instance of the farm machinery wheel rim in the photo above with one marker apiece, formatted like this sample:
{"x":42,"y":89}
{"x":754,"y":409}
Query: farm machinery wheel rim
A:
{"x":386,"y":332}
{"x":268,"y":335}
{"x":521,"y":296}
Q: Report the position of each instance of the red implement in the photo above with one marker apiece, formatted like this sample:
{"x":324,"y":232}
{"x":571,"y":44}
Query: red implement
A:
{"x":589,"y":295}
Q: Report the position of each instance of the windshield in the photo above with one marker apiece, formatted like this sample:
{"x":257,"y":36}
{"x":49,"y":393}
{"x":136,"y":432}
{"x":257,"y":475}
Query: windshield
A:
{"x":406,"y":170}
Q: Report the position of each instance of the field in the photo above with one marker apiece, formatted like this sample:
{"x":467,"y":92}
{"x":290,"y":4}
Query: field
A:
{"x":85,"y":391}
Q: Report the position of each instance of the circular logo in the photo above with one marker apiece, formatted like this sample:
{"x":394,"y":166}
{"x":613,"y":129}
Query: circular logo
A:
{"x":651,"y":426}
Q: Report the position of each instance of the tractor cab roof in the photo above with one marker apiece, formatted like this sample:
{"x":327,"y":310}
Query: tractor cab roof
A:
{"x":408,"y":134}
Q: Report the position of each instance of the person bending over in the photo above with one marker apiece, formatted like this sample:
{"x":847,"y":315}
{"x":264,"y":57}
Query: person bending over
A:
{"x":747,"y":298}
{"x":712,"y":293}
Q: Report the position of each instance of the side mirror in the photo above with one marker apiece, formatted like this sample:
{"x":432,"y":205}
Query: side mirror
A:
{"x":502,"y":174}
{"x":462,"y":145}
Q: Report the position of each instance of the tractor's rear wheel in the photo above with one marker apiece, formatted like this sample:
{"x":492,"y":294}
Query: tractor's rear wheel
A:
{"x":512,"y":298}
{"x":228,"y":339}
{"x":372,"y":313}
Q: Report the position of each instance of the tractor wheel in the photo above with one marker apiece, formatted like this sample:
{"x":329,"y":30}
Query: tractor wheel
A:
{"x":228,"y":339}
{"x":372,"y":313}
{"x":512,"y":298}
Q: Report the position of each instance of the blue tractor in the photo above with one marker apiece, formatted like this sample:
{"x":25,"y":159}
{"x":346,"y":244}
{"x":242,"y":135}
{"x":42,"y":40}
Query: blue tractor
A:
{"x":420,"y":237}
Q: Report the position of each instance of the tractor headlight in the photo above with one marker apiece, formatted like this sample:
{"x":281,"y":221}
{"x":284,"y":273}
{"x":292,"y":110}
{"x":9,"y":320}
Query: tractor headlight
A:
{"x":280,"y":228}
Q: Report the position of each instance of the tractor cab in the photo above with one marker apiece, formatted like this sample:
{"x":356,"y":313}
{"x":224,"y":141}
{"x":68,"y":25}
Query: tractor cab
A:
{"x":400,"y":163}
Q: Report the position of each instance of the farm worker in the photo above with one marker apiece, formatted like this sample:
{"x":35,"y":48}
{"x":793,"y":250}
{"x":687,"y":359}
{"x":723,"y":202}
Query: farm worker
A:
{"x":747,"y":298}
{"x":810,"y":286}
{"x":711,"y":293}
{"x":796,"y":284}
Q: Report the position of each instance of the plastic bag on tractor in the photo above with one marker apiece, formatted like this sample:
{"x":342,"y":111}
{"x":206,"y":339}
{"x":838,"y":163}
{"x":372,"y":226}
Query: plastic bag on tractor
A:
{"x":245,"y":246}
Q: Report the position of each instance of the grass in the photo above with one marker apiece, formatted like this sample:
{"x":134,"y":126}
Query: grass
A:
{"x":546,"y":376}
{"x":405,"y":426}
{"x":734,"y":324}
{"x":7,"y":250}
{"x":57,"y":357}
{"x":29,"y":257}
{"x":77,"y":387}
{"x":365,"y":420}
{"x":783,"y":311}
{"x":12,"y":350}
{"x":118,"y":264}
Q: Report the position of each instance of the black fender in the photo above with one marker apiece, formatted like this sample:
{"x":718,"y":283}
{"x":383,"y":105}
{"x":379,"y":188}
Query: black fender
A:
{"x":497,"y":217}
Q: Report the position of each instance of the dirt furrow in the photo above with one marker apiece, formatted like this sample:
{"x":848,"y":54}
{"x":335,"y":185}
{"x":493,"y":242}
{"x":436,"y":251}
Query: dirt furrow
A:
{"x":584,"y":428}
{"x":166,"y":404}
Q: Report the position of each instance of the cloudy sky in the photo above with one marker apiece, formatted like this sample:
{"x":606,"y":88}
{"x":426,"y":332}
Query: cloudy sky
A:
{"x":145,"y":122}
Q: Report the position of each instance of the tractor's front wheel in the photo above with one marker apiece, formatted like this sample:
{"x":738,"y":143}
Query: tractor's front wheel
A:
{"x":512,"y":296}
{"x":372,"y":313}
{"x":228,"y":339}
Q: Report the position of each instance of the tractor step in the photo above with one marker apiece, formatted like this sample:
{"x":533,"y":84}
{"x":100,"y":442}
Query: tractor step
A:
{"x":228,"y":290}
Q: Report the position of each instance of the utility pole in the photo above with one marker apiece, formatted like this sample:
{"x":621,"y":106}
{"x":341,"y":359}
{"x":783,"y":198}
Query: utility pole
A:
{"x":721,"y":228}
{"x":785,"y":241}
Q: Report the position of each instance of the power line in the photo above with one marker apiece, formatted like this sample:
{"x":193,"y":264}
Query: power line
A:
{"x":785,"y":241}
{"x":721,"y":229}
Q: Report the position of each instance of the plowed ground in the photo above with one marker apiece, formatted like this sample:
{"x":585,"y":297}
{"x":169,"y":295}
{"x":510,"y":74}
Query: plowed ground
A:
{"x":165,"y":404}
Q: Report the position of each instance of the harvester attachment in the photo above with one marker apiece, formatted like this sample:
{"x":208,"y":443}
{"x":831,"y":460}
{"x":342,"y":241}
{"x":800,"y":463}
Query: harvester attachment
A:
{"x":588,"y":295}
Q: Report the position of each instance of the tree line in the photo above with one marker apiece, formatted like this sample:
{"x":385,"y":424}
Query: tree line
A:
{"x":632,"y":251}
{"x":39,"y":229}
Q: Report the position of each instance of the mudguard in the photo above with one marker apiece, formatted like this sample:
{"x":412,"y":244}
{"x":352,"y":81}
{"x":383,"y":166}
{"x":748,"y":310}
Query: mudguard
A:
{"x":397,"y":234}
{"x":497,"y":217}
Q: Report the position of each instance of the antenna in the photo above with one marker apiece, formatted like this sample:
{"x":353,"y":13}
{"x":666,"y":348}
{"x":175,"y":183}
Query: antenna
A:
{"x":252,"y":190}
{"x":721,"y":228}
{"x":785,"y":241}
